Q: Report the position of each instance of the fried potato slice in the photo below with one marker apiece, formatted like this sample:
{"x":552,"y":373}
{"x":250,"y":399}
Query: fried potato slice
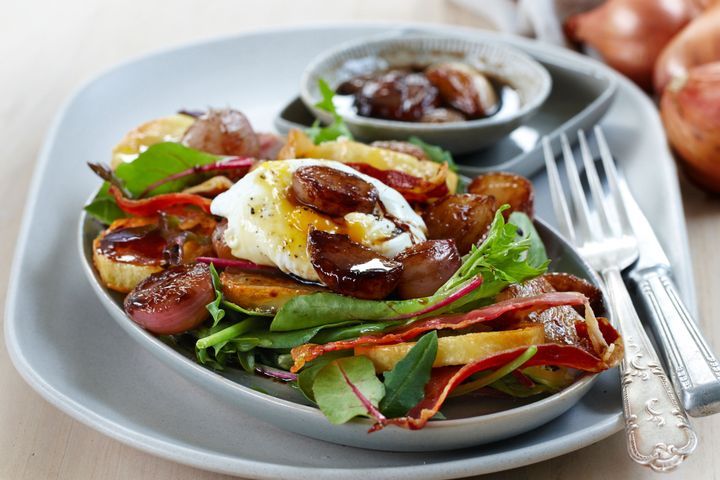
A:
{"x":165,"y":129}
{"x":260,"y":290}
{"x":118,"y":275}
{"x":456,"y":350}
{"x":299,"y":145}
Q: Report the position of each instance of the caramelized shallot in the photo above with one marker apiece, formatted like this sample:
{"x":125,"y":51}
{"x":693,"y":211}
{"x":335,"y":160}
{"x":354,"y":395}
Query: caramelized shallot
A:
{"x":426,"y":267}
{"x":172,"y":301}
{"x":464,"y":218}
{"x":333,"y":192}
{"x":350,"y":268}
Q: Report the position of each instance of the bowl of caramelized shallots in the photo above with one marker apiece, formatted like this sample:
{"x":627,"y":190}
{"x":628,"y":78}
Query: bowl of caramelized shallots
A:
{"x":458,"y":93}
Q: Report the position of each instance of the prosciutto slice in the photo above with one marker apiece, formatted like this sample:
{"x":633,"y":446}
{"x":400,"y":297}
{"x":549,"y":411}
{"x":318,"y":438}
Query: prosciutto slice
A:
{"x":310,"y":351}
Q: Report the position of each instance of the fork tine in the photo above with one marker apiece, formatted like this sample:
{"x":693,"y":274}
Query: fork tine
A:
{"x":595,"y":185}
{"x":582,"y":212}
{"x":612,"y":176}
{"x":562,"y":212}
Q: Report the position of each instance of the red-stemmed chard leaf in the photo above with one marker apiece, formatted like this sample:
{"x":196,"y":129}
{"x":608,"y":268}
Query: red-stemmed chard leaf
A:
{"x":469,"y":287}
{"x":372,"y":410}
{"x":233,"y":263}
{"x":348,"y":387}
{"x":230,"y":163}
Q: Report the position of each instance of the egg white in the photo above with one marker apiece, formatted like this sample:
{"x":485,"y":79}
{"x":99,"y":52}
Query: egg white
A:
{"x":266,"y":228}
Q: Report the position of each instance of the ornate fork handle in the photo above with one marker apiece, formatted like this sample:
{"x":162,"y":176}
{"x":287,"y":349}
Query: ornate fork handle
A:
{"x":658,"y":431}
{"x":694,"y":370}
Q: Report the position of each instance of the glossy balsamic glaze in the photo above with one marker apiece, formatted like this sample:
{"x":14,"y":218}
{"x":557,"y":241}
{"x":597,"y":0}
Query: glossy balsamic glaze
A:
{"x":142,"y":245}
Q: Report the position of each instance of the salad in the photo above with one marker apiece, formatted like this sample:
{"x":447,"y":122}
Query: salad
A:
{"x":369,"y":277}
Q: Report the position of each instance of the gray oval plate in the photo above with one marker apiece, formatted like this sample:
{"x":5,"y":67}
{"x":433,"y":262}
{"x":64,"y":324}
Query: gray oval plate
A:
{"x":65,"y":345}
{"x":470,"y":421}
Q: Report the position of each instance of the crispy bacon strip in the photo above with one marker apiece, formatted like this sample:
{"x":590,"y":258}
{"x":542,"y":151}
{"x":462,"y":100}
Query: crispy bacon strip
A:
{"x":445,"y":379}
{"x":310,"y":351}
{"x":412,"y":188}
{"x":150,"y":206}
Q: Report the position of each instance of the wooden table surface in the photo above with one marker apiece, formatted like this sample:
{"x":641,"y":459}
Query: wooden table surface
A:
{"x":48,"y":48}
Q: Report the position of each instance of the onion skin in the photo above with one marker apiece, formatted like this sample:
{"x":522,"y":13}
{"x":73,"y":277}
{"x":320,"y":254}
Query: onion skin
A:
{"x":630,"y":34}
{"x":697,"y":44}
{"x":690,"y":110}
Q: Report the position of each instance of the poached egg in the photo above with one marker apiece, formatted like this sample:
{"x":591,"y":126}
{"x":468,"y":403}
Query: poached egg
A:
{"x":267,"y":227}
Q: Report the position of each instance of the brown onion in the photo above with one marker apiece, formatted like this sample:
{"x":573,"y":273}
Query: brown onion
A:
{"x":630,"y":34}
{"x":690,"y":110}
{"x":696,"y":44}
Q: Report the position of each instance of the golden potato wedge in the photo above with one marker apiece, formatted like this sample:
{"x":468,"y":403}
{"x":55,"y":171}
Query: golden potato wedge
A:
{"x":261,"y":290}
{"x":165,"y":129}
{"x":456,"y":350}
{"x":299,"y":145}
{"x":118,"y":273}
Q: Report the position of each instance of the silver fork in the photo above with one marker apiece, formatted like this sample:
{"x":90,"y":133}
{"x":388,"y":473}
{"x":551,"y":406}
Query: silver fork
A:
{"x":657,"y":429}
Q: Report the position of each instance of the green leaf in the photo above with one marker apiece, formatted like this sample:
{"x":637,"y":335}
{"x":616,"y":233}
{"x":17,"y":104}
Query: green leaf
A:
{"x":353,"y":331}
{"x":335,"y":397}
{"x":230,"y":333}
{"x":278,"y":340}
{"x":509,"y":385}
{"x":405,"y":383}
{"x":306,"y":377}
{"x":213,"y":307}
{"x":502,"y":259}
{"x":435,"y":153}
{"x":160,"y":161}
{"x":103,"y":206}
{"x":536,"y":254}
{"x":237,"y":308}
{"x":247,"y":360}
{"x":327,"y":94}
{"x":337,"y":128}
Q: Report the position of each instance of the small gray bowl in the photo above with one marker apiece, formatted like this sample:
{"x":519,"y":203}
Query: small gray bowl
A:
{"x":526,"y":76}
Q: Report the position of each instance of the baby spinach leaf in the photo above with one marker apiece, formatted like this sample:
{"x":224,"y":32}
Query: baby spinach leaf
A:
{"x":334,"y":395}
{"x":435,"y":153}
{"x":103,"y":206}
{"x":247,"y":360}
{"x":405,"y":383}
{"x":158,"y":162}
